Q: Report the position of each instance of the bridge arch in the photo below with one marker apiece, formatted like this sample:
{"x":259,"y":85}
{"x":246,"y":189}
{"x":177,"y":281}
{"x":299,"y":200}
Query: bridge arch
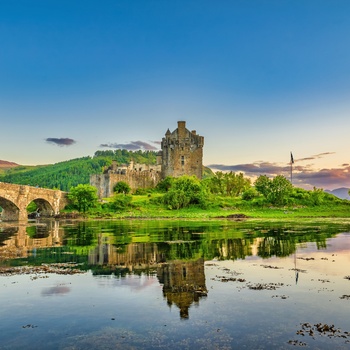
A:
{"x":44,"y":207}
{"x":14,"y":200}
{"x":10,"y":211}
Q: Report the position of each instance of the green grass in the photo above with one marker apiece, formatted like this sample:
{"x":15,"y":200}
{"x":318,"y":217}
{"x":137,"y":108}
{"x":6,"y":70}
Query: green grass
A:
{"x":145,"y":206}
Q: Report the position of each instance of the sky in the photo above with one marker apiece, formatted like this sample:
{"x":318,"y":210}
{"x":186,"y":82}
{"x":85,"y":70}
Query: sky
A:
{"x":258,"y":79}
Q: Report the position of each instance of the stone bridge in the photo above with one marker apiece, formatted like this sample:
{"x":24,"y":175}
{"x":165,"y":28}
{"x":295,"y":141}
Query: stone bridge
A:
{"x":14,"y":200}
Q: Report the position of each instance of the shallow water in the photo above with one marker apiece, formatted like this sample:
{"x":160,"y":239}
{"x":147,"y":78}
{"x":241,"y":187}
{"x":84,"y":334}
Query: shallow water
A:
{"x":175,"y":284}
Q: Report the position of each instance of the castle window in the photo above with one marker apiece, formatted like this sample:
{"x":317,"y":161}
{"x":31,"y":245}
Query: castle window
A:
{"x":182,"y":160}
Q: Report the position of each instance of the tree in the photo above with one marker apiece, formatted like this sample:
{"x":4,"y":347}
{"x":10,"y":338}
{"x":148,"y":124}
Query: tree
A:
{"x":263,"y":185}
{"x":185,"y":191}
{"x":276,"y":191}
{"x":227,"y":184}
{"x":280,"y":190}
{"x":83,"y":197}
{"x":122,"y":187}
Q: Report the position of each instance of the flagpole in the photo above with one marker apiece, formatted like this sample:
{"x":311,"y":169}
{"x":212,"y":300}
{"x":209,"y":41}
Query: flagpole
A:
{"x":291,"y":167}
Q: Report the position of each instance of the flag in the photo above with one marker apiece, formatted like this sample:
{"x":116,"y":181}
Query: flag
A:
{"x":291,"y":158}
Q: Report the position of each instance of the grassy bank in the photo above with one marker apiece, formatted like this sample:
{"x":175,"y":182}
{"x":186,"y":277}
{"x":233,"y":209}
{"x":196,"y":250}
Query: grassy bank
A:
{"x":146,"y":206}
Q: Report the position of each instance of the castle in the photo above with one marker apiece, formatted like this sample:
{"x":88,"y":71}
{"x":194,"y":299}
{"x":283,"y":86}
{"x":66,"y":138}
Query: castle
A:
{"x":181,"y":154}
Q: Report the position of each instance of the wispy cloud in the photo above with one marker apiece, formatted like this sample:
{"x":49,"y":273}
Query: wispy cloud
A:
{"x":131,"y":146}
{"x":316,"y":156}
{"x":64,"y":141}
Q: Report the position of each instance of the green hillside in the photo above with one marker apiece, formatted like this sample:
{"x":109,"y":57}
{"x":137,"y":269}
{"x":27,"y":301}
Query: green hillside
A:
{"x":207,"y":173}
{"x":67,"y":174}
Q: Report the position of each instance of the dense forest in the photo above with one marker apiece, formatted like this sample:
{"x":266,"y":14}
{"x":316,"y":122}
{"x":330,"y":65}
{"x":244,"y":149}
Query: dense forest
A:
{"x":67,"y":174}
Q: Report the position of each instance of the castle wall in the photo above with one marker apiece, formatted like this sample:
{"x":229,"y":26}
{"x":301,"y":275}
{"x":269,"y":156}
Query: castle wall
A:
{"x":136,"y":179}
{"x":102,"y":183}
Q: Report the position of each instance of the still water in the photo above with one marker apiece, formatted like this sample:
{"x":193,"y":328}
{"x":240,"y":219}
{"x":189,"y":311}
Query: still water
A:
{"x":175,"y":285}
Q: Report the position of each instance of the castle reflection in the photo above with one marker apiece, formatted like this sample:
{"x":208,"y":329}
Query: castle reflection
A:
{"x":183,"y":283}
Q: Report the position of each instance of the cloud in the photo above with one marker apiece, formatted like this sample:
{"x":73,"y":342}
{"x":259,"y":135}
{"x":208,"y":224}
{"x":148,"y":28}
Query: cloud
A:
{"x":320,"y":155}
{"x":131,"y":146}
{"x":303,"y":159}
{"x":325,"y":178}
{"x":316,"y":156}
{"x":303,"y":176}
{"x":61,"y":141}
{"x":256,"y":168}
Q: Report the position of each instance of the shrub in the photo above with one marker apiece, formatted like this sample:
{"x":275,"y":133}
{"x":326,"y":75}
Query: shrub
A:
{"x":165,"y":184}
{"x":316,"y":196}
{"x":186,"y":191}
{"x":121,"y":187}
{"x":300,"y":194}
{"x":250,"y":194}
{"x":143,"y":191}
{"x":121,"y":201}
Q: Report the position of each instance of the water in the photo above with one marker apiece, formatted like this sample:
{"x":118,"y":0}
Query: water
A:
{"x":175,"y":285}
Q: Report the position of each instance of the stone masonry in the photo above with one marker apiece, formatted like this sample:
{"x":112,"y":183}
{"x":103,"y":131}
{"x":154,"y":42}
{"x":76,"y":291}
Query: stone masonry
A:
{"x":182,"y":152}
{"x":136,"y":175}
{"x":14,"y":200}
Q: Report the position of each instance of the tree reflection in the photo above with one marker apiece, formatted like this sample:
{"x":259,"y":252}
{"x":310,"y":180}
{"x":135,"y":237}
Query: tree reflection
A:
{"x":137,"y":245}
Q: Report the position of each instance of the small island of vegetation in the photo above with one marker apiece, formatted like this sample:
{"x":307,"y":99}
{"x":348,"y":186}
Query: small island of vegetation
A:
{"x":223,"y":195}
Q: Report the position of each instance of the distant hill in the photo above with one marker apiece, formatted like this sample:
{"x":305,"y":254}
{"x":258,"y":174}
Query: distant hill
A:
{"x":340,"y":193}
{"x":7,"y":165}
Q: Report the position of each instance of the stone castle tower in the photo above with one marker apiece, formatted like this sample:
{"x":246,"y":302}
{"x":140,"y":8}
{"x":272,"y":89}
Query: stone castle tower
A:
{"x":182,"y":153}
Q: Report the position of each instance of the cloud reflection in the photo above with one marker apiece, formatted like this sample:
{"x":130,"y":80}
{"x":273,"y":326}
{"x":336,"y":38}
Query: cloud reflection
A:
{"x":60,"y":290}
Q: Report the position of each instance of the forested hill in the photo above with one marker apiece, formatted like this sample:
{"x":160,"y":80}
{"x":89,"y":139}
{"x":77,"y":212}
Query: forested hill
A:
{"x":65,"y":175}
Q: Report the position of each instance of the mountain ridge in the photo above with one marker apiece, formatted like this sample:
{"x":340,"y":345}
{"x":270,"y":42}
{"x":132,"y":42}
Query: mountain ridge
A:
{"x":4,"y":164}
{"x":341,"y":192}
